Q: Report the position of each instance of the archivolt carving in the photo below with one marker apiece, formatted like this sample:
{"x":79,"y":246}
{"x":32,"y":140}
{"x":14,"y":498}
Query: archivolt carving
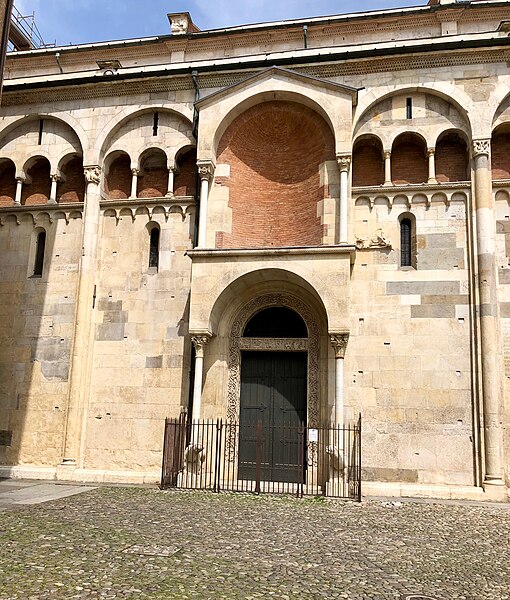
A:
{"x":237,"y":343}
{"x":274,"y":344}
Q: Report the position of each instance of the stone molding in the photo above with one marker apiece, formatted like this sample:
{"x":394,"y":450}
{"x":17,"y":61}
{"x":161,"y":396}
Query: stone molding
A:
{"x":481,"y":147}
{"x":92,"y":174}
{"x":339,"y":342}
{"x":236,"y":342}
{"x":200,"y":342}
{"x":40,"y":214}
{"x":265,"y":252}
{"x":181,"y":205}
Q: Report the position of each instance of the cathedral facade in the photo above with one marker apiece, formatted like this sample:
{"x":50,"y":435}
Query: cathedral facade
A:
{"x":179,"y":214}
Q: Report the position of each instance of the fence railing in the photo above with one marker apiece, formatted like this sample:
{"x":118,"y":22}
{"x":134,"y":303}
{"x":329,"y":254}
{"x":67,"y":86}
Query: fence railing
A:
{"x":220,"y":455}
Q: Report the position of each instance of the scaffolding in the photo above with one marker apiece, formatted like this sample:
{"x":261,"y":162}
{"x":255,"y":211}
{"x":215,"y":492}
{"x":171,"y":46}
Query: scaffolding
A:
{"x":24,"y":34}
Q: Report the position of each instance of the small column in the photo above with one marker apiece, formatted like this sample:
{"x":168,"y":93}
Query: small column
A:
{"x":206,"y":173}
{"x":344,"y":162}
{"x":200,"y":342}
{"x":490,"y":340}
{"x":171,"y":179}
{"x":431,"y":153}
{"x":134,"y":182}
{"x":82,"y":352}
{"x":339,"y":342}
{"x":387,"y":168}
{"x":53,"y":192}
{"x":19,"y":190}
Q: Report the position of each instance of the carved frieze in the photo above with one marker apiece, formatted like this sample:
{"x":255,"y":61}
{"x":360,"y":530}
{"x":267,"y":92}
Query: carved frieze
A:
{"x":200,"y":342}
{"x":238,"y":343}
{"x":93,"y":174}
{"x":378,"y":240}
{"x":274,"y":344}
{"x":339,"y":342}
{"x":344,"y":161}
{"x":481,"y":147}
{"x":205,"y":169}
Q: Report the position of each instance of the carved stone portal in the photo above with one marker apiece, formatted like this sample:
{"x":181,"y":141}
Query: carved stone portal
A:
{"x":237,"y":343}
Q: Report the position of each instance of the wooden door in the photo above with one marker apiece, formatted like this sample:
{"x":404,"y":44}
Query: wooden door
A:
{"x":273,"y":413}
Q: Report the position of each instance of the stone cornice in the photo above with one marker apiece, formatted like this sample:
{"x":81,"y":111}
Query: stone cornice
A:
{"x":146,"y":207}
{"x":49,"y":212}
{"x":231,"y":74}
{"x":269,"y":252}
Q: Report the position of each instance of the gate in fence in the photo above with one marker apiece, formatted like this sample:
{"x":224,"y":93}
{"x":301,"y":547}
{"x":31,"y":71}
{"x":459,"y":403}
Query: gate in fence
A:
{"x":277,"y":459}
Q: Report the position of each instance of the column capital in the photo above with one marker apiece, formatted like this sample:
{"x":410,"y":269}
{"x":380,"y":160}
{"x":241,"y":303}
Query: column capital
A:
{"x":206,"y":169}
{"x":20,"y":179}
{"x":387,"y":154}
{"x":344,"y":161}
{"x":481,"y":147}
{"x":55,"y":177}
{"x":431,"y":151}
{"x":200,"y":341}
{"x":135,"y":172}
{"x":92,"y":174}
{"x":339,"y":342}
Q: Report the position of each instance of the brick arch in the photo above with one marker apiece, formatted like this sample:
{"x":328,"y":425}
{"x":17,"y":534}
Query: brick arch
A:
{"x":117,"y":182}
{"x":7,"y":182}
{"x":275,"y":151}
{"x":408,"y":159}
{"x":451,"y":157}
{"x":72,"y":186}
{"x":185,"y":178}
{"x":500,"y":152}
{"x":38,"y":174}
{"x":367,"y":162}
{"x":153,"y":178}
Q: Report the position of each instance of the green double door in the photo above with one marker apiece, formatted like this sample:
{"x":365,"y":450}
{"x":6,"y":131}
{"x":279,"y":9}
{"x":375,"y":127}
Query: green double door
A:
{"x":272,"y":416}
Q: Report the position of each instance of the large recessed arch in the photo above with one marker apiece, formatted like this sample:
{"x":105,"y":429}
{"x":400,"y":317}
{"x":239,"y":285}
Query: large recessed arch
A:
{"x":332,"y":101}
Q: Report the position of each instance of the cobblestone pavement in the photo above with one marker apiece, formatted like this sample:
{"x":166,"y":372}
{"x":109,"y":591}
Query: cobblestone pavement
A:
{"x":144,"y":543}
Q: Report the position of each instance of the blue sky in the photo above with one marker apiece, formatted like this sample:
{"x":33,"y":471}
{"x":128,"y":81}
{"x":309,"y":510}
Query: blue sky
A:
{"x":82,"y":21}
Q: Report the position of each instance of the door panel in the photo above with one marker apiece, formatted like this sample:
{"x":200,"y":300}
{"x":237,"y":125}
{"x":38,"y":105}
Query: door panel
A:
{"x":273,"y":395}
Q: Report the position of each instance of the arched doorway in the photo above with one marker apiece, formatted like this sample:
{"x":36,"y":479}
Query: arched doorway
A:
{"x":273,"y":398}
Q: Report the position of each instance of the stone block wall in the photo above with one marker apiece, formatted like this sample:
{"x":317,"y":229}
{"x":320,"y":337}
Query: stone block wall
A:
{"x":36,"y":333}
{"x":408,"y":364}
{"x":141,"y":348}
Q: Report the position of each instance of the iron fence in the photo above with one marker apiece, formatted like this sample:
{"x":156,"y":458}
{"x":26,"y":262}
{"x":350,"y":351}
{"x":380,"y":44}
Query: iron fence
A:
{"x":259,"y":458}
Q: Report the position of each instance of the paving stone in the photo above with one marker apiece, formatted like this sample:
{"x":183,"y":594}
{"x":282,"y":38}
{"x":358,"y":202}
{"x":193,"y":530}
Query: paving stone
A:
{"x":144,"y":543}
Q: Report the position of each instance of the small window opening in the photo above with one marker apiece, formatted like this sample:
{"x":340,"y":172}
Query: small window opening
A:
{"x":154,"y":248}
{"x":406,"y":243}
{"x":39,"y":254}
{"x":41,"y":129}
{"x":155,"y":124}
{"x":409,"y":108}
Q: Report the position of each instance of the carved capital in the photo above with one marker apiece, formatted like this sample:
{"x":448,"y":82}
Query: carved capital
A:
{"x":205,"y":169}
{"x":387,"y":154}
{"x":431,"y":151}
{"x":55,"y":177}
{"x":481,"y":147}
{"x":135,"y":172}
{"x":92,"y":174}
{"x":200,"y":342}
{"x":339,"y":342}
{"x":344,"y":161}
{"x":20,"y":179}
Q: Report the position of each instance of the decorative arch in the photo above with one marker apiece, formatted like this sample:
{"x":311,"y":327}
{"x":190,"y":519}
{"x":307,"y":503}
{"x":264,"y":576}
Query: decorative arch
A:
{"x":367,"y":161}
{"x":63,"y":117}
{"x":237,"y":343}
{"x":452,"y":94}
{"x":128,"y":114}
{"x":408,"y":159}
